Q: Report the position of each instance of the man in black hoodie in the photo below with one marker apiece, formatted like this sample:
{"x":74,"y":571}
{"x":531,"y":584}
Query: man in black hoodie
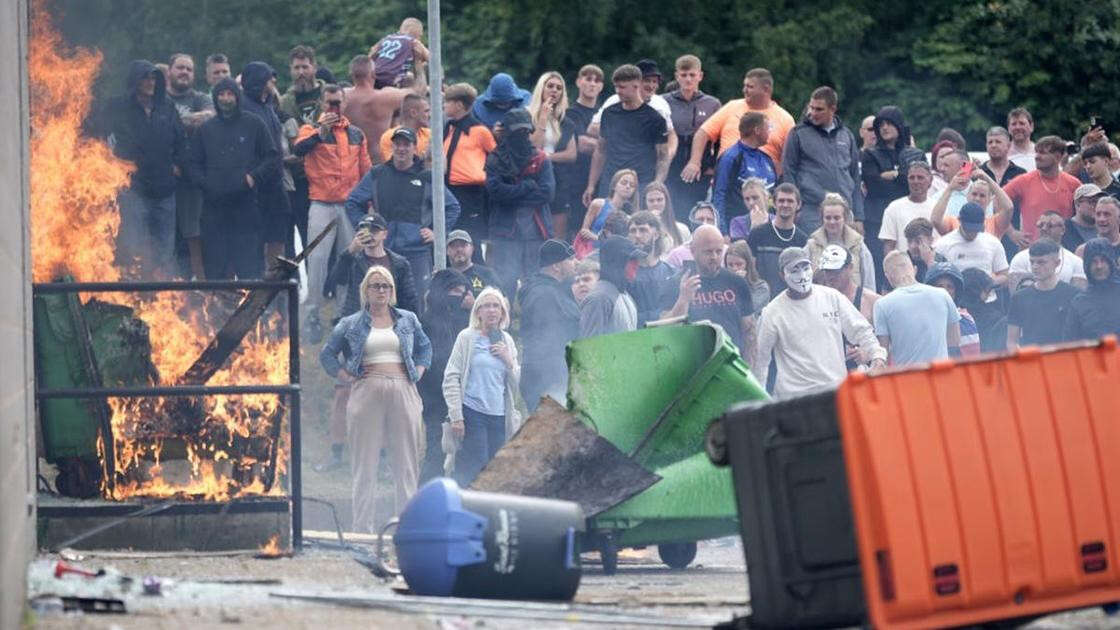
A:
{"x":448,"y":312}
{"x":609,"y":307}
{"x":1095,"y":312}
{"x":230,"y":155}
{"x":258,"y":82}
{"x":549,"y":320}
{"x":146,"y":131}
{"x":885,"y":166}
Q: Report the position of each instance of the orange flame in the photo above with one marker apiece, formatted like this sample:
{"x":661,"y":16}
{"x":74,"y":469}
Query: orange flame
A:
{"x":74,"y":222}
{"x":271,"y":548}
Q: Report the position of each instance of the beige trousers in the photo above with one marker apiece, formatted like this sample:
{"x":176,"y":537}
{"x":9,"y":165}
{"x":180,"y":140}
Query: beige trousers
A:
{"x":383,"y":411}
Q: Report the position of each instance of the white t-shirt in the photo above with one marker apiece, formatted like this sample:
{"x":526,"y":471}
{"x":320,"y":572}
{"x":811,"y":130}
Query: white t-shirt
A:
{"x":1069,"y":268}
{"x":899,"y":214}
{"x":657,"y":102}
{"x":807,"y":339}
{"x":984,"y":252}
{"x":1022,"y":159}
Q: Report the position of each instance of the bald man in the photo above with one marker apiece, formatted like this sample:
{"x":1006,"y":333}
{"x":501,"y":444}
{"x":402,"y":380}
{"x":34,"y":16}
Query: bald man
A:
{"x":372,"y":109}
{"x":704,"y":289}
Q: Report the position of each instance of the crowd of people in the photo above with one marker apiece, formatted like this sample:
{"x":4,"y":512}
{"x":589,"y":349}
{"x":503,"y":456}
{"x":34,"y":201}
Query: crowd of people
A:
{"x":818,"y":248}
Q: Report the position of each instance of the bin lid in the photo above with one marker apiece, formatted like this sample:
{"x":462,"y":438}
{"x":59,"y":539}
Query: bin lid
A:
{"x":436,"y":536}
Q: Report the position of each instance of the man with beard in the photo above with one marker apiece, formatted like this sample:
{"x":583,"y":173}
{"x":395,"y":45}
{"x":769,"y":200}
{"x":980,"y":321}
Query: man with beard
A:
{"x":367,"y":249}
{"x":549,"y":320}
{"x":1095,"y":312}
{"x":1046,"y":188}
{"x":194,"y":108}
{"x":520,"y":186}
{"x":805,"y":327}
{"x":448,"y":311}
{"x":645,"y":232}
{"x":301,"y":104}
{"x":609,"y":308}
{"x":146,"y":131}
{"x":258,"y":81}
{"x":1020,"y":123}
{"x":1107,"y":219}
{"x":460,"y":254}
{"x":1082,"y":225}
{"x":230,"y":154}
{"x":705,"y":290}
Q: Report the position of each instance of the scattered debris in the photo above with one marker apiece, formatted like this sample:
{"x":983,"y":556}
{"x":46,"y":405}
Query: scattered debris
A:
{"x":152,"y":586}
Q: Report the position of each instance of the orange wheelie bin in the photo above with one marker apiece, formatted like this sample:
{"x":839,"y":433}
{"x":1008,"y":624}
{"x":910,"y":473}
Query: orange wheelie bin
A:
{"x":988,"y":489}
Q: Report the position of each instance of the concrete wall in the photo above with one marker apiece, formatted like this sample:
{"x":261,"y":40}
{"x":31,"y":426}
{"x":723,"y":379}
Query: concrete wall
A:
{"x":17,"y":438}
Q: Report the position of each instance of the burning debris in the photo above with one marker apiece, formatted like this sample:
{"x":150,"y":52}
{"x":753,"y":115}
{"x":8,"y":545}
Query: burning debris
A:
{"x":223,"y":443}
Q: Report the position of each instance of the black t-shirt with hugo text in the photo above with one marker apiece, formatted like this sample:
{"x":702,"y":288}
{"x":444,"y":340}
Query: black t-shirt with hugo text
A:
{"x":724,"y":299}
{"x":632,"y":137}
{"x":1041,"y":315}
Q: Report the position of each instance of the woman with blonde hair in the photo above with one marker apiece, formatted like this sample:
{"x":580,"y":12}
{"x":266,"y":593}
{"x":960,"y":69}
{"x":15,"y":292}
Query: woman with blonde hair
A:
{"x":655,"y":198}
{"x":836,"y":229}
{"x":384,"y":353}
{"x":480,"y":384}
{"x":620,"y":196}
{"x":547,"y":106}
{"x":554,"y":134}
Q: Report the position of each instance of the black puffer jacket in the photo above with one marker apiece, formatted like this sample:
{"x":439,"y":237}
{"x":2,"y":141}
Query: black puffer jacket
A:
{"x":154,"y":142}
{"x":881,"y":158}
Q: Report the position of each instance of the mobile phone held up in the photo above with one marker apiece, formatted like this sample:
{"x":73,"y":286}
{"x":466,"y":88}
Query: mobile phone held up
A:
{"x":966,"y":170}
{"x":494,"y":335}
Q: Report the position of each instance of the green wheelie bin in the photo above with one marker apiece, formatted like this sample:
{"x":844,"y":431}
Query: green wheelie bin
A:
{"x":652,"y":393}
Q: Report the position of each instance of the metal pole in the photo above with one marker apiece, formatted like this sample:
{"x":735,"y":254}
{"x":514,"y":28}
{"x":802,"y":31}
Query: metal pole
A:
{"x":294,"y":419}
{"x":435,"y":90}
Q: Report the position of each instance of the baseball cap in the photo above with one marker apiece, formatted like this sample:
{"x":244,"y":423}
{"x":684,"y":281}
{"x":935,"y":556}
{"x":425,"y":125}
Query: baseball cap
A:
{"x":649,"y":68}
{"x":791,"y":255}
{"x":832,"y":258}
{"x":518,"y":118}
{"x":459,"y":235}
{"x":373,"y":220}
{"x":404,"y":133}
{"x":553,"y":251}
{"x":1087,"y":190}
{"x":972,"y":217}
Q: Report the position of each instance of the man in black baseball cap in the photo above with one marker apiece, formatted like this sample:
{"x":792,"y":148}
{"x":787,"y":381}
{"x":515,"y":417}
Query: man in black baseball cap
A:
{"x":400,"y":190}
{"x":549,"y":320}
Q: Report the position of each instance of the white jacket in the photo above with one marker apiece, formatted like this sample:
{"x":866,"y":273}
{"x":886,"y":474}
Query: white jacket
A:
{"x":457,"y":372}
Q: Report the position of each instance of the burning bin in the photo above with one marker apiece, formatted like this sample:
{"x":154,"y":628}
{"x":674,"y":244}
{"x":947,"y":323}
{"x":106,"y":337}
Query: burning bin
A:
{"x":652,"y":394}
{"x":453,"y":542}
{"x":92,"y":345}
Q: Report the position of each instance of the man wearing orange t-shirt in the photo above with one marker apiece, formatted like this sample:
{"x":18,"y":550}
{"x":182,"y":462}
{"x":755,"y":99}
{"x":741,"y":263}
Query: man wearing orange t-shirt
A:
{"x":1047,"y":188}
{"x":416,"y":114}
{"x":723,"y":126}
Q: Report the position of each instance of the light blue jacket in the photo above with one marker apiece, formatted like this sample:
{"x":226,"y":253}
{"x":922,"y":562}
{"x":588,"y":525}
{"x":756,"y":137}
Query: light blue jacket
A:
{"x":349,"y":338}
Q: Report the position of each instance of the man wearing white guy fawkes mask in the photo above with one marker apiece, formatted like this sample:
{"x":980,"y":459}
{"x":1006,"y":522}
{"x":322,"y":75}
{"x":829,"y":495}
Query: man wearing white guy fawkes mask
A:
{"x":805,"y":327}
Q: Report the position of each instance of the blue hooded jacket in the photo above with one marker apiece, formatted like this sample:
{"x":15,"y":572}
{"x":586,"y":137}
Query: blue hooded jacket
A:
{"x":500,"y":96}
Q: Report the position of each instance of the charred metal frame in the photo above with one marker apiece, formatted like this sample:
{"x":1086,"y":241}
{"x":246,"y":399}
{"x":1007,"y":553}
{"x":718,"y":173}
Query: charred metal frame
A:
{"x":291,"y":391}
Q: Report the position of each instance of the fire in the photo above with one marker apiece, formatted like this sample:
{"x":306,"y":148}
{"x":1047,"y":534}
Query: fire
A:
{"x":74,"y":223}
{"x":271,"y":548}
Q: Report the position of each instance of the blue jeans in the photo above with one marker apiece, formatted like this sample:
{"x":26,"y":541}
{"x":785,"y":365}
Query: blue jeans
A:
{"x":484,"y":435}
{"x":147,"y":233}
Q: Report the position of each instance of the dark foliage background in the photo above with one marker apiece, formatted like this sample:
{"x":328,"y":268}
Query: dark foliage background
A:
{"x":958,"y":64}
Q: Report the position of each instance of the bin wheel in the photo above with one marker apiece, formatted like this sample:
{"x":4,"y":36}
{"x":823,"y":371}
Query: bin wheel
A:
{"x":78,"y":478}
{"x":608,"y":553}
{"x":715,"y":443}
{"x":677,"y":555}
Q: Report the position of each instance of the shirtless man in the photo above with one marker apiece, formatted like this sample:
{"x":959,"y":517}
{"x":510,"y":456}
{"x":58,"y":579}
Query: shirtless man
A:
{"x":368,"y":108}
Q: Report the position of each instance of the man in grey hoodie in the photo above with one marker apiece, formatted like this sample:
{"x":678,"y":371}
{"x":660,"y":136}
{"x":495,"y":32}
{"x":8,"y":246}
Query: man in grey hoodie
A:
{"x":822,"y":156}
{"x":609,"y":307}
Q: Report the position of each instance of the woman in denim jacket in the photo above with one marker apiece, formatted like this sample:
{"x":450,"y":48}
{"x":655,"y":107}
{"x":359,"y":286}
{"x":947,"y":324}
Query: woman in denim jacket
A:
{"x":385,"y":352}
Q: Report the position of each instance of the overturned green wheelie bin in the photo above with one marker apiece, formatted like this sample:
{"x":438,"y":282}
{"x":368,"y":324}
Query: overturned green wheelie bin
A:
{"x":650,"y":394}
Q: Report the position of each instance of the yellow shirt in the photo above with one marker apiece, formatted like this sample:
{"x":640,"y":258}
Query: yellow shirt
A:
{"x":724,"y":125}
{"x":423,"y":136}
